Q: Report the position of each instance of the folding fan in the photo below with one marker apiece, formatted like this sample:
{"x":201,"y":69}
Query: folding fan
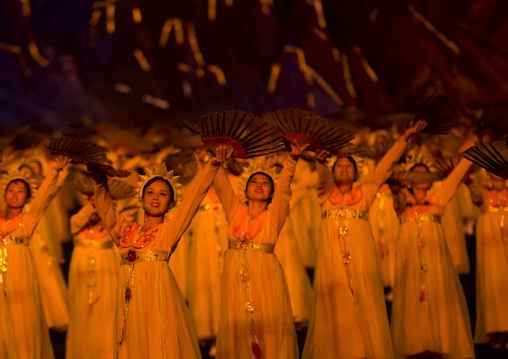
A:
{"x":308,"y":128}
{"x":84,"y":152}
{"x":247,"y":134}
{"x":407,"y":178}
{"x":494,"y":124}
{"x":493,"y":156}
{"x":118,"y":189}
{"x":183,"y":164}
{"x":441,"y":112}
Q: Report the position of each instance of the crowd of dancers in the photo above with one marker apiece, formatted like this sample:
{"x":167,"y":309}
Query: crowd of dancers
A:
{"x":162,"y":266}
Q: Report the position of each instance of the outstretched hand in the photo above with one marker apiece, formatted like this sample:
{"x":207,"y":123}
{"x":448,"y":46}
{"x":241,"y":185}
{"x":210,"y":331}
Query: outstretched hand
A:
{"x":296,"y":149}
{"x":414,"y":129}
{"x":321,"y":155}
{"x":61,"y":162}
{"x":221,"y":155}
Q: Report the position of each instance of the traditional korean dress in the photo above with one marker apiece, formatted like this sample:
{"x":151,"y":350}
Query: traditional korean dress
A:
{"x":23,"y":329}
{"x":152,"y":319}
{"x":207,"y":236}
{"x":256,"y":317}
{"x":349,"y":318}
{"x":429,"y":312}
{"x":384,"y":223}
{"x":492,"y":265}
{"x":93,"y":278}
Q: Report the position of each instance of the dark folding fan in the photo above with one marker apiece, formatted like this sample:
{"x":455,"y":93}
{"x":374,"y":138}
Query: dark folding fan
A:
{"x":494,"y":124}
{"x":183,"y":164}
{"x":247,"y":134}
{"x":84,"y":152}
{"x":441,"y":112}
{"x":308,"y":128}
{"x":407,"y":178}
{"x":118,"y":189}
{"x":493,"y":156}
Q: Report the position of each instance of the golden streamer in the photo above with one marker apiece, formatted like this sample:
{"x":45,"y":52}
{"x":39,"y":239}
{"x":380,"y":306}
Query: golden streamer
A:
{"x":110,"y":19}
{"x":143,"y":63}
{"x":432,"y":29}
{"x":21,"y":57}
{"x":219,"y":74}
{"x":184,"y":67}
{"x":308,"y":72}
{"x":265,"y":6}
{"x":212,"y":9}
{"x":109,"y":5}
{"x":193,"y":41}
{"x":347,"y":76}
{"x":34,"y":51}
{"x":368,"y":69}
{"x":320,"y":33}
{"x":136,"y":15}
{"x":169,"y":24}
{"x":336,"y":54}
{"x":318,"y":7}
{"x":25,"y":6}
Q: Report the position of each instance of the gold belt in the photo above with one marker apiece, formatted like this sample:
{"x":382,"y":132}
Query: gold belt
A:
{"x":210,"y":207}
{"x":133,"y":257}
{"x":257,"y":247}
{"x":345,"y":213}
{"x":14,"y":240}
{"x":497,"y":209}
{"x":90,"y":243}
{"x":425,"y":217}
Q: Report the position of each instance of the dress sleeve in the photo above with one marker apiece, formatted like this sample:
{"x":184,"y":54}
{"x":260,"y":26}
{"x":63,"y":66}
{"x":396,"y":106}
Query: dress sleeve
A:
{"x":226,"y":194}
{"x":177,"y":225}
{"x":450,"y":184}
{"x":279,"y":208}
{"x":113,"y":221}
{"x":325,"y":182}
{"x":40,"y":202}
{"x":380,"y":174}
{"x":81,"y":218}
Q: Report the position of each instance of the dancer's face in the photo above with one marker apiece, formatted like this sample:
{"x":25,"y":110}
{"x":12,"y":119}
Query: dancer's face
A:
{"x":259,"y":188}
{"x":157,"y":198}
{"x":344,"y":171}
{"x":422,"y":169}
{"x":16,"y":194}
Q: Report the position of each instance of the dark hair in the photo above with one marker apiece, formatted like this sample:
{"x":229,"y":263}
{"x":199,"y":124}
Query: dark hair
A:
{"x":171,"y":191}
{"x":28,"y":192}
{"x":269,"y":179}
{"x":420,"y":165}
{"x":350,"y":159}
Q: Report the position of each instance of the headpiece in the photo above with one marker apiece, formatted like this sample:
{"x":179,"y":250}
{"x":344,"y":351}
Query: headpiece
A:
{"x":258,"y":165}
{"x":414,"y":160}
{"x":16,"y":175}
{"x":162,"y":173}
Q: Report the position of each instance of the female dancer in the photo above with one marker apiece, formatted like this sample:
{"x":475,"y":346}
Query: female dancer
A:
{"x":430,"y":316}
{"x":256,"y":318}
{"x":491,"y":262}
{"x":349,"y":317}
{"x":152,"y":319}
{"x":23,"y":329}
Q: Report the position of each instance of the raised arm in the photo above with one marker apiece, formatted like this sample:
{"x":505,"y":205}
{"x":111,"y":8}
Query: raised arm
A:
{"x":175,"y":228}
{"x":43,"y":197}
{"x":279,"y":208}
{"x":325,"y":181}
{"x":113,"y":221}
{"x":226,"y":194}
{"x":450,"y":184}
{"x":81,"y":218}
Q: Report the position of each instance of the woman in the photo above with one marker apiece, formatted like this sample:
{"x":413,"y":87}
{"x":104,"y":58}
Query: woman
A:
{"x":349,"y":317}
{"x":256,"y":318}
{"x":430,"y":316}
{"x":491,"y":262}
{"x":152,"y":320}
{"x":23,"y":329}
{"x":93,"y":277}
